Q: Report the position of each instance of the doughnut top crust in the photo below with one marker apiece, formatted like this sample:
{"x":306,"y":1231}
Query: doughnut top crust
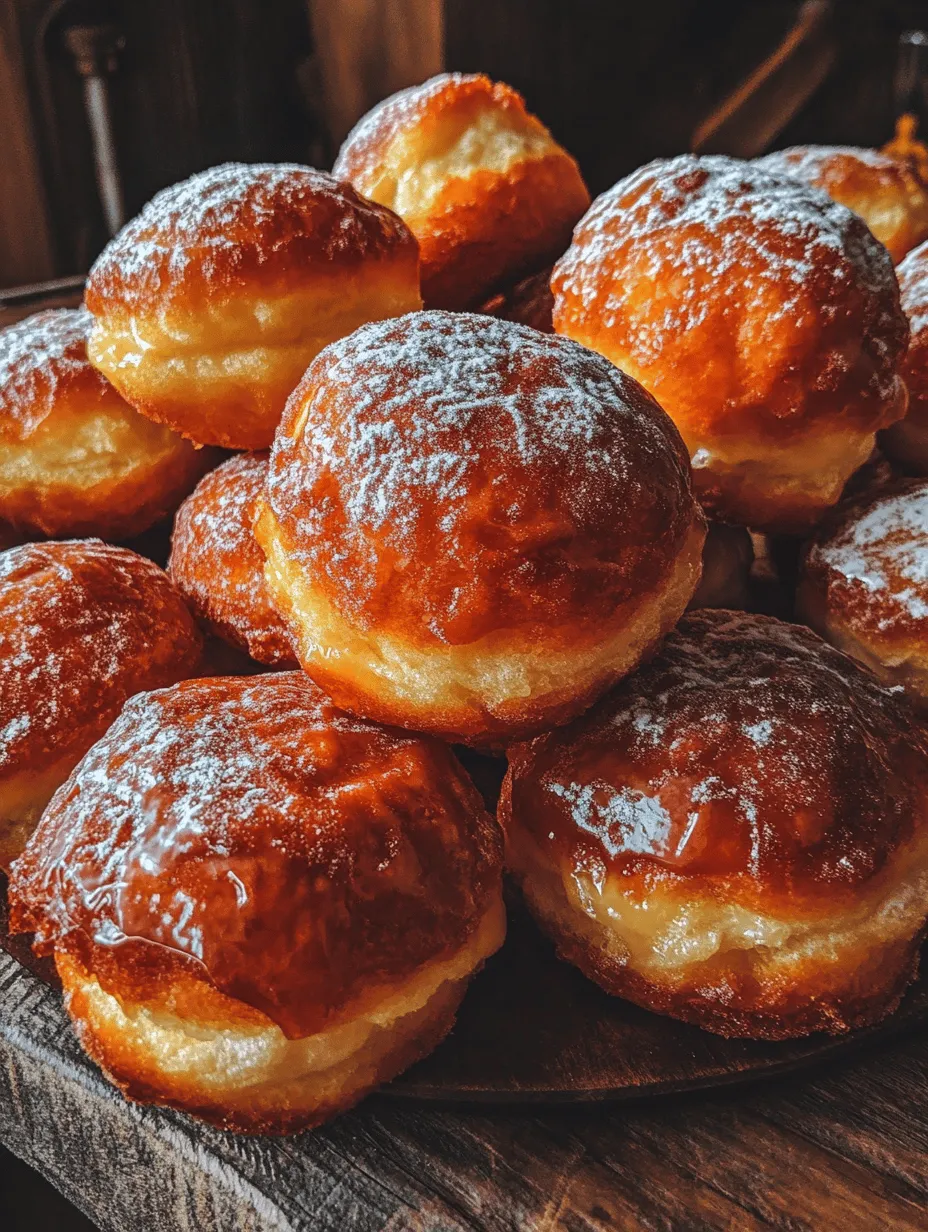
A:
{"x":446,"y":475}
{"x":870,"y":560}
{"x":302,"y":860}
{"x":83,"y":626}
{"x":913,"y":286}
{"x":42,"y":359}
{"x":235,"y":227}
{"x":886,"y":192}
{"x":749,"y":304}
{"x":747,"y":755}
{"x":218,"y":565}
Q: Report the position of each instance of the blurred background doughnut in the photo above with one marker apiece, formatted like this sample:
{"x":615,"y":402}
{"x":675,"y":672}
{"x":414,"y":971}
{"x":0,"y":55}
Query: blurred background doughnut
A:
{"x":484,"y":187}
{"x":864,"y":583}
{"x":75,"y":458}
{"x":301,"y":899}
{"x":727,"y":556}
{"x":778,"y":393}
{"x":888,"y":193}
{"x":442,"y":526}
{"x":735,"y":836}
{"x":906,"y":442}
{"x":83,"y":626}
{"x":218,"y":566}
{"x":529,"y":302}
{"x":210,"y":304}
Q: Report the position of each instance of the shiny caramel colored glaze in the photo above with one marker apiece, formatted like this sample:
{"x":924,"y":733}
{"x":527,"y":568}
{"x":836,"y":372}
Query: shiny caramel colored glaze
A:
{"x":218,"y":566}
{"x":235,"y":229}
{"x":247,"y":833}
{"x":447,"y":476}
{"x":864,"y":582}
{"x":75,"y":459}
{"x":888,"y":193}
{"x":763,"y":317}
{"x":748,"y":762}
{"x":484,"y":217}
{"x":529,"y":302}
{"x":906,"y":442}
{"x":83,"y":626}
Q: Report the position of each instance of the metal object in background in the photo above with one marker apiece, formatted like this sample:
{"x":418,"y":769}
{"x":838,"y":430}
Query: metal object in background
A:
{"x":910,"y":89}
{"x":95,"y":50}
{"x":751,"y":117}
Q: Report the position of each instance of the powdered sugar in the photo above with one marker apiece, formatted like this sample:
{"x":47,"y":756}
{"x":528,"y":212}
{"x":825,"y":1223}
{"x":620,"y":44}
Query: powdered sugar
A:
{"x":38,"y":356}
{"x":913,"y":283}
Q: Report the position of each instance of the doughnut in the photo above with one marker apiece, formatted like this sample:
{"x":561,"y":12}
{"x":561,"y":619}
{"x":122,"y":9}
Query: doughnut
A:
{"x":735,"y":836}
{"x":762,"y":316}
{"x":218,"y":567}
{"x":484,"y":187}
{"x":727,"y":557}
{"x":473,"y":528}
{"x":529,"y":302}
{"x":211,"y":303}
{"x":906,"y":442}
{"x":864,"y":583}
{"x":75,"y":459}
{"x":295,"y":900}
{"x":83,"y":626}
{"x":888,"y":193}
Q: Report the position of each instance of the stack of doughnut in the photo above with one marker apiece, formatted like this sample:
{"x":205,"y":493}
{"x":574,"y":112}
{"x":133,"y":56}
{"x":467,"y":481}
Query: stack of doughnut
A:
{"x":503,"y":459}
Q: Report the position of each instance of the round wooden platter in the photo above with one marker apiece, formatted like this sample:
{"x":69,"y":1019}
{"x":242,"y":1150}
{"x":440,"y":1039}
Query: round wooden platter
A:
{"x":533,"y":1029}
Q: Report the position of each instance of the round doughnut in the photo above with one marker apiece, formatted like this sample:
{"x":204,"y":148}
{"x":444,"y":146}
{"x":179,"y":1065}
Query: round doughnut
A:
{"x":888,"y":193}
{"x":864,"y":583}
{"x":300,"y":899}
{"x":472,"y":528}
{"x":217,"y":565}
{"x":906,"y":442}
{"x":763,"y":317}
{"x":210,"y":304}
{"x":482,"y":184}
{"x":727,"y":557}
{"x":735,"y":836}
{"x":75,"y":458}
{"x":83,"y":626}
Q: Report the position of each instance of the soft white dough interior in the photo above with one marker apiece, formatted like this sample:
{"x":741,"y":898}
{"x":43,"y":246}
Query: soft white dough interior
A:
{"x":414,"y":174}
{"x":489,"y":673}
{"x":224,"y":1060}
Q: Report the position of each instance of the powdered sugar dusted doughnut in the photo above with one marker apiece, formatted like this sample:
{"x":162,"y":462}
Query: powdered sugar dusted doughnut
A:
{"x":83,"y":626}
{"x":888,"y":193}
{"x":210,"y":304}
{"x":763,"y":317}
{"x":906,"y":442}
{"x":260,"y":907}
{"x":864,"y":583}
{"x":737,"y":835}
{"x":473,"y":528}
{"x":75,"y":458}
{"x":484,"y":187}
{"x":217,"y":564}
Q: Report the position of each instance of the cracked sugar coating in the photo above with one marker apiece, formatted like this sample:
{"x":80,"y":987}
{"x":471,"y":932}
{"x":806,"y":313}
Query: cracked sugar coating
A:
{"x":748,"y":755}
{"x":83,"y":626}
{"x":217,"y":563}
{"x":41,"y":357}
{"x":447,"y":475}
{"x":226,"y":228}
{"x":301,"y":859}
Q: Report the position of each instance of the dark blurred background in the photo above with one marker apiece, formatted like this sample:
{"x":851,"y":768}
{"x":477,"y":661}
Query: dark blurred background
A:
{"x":102,"y":102}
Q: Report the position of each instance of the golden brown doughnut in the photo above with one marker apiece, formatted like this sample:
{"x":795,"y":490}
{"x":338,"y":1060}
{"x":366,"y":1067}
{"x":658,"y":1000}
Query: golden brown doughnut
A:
{"x":864,"y":583}
{"x":482,"y":184}
{"x":763,"y":317}
{"x":736,"y":836}
{"x":727,"y":556}
{"x":83,"y":626}
{"x":888,"y":193}
{"x":75,"y":459}
{"x":210,"y":304}
{"x":906,"y":442}
{"x":294,"y":900}
{"x":217,"y":565}
{"x":473,"y":528}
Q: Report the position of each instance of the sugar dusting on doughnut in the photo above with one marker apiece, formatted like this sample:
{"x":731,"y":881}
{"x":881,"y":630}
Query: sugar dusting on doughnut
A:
{"x":39,"y":356}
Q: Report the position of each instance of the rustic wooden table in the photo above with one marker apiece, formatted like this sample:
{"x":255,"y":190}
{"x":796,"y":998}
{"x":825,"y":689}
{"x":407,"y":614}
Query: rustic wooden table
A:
{"x":845,"y":1147}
